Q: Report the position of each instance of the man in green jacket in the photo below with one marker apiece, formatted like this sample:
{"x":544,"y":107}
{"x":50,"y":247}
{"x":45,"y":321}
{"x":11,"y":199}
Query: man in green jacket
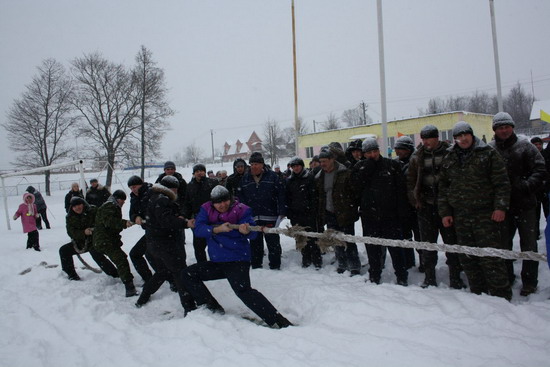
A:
{"x":107,"y":239}
{"x":474,"y":195}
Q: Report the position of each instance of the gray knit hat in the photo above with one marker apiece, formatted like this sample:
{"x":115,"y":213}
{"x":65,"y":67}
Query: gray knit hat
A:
{"x":219,"y":194}
{"x":404,"y":142}
{"x":501,"y":119}
{"x":369,"y":144}
{"x":429,"y":131}
{"x":462,"y":127}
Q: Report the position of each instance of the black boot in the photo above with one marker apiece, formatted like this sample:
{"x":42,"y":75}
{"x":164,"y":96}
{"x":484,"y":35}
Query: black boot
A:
{"x":73,"y":276}
{"x":130,"y":289}
{"x":281,"y":321}
{"x":455,"y":281}
{"x":429,"y":279}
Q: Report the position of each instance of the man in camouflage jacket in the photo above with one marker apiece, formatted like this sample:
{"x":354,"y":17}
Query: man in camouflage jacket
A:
{"x":474,"y":195}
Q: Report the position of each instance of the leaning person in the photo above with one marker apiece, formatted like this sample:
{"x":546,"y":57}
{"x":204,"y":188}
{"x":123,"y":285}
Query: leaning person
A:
{"x":229,"y":251}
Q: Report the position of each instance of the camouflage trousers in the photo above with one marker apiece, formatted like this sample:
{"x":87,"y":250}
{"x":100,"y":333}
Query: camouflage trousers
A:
{"x":485,"y":274}
{"x":119,"y":258}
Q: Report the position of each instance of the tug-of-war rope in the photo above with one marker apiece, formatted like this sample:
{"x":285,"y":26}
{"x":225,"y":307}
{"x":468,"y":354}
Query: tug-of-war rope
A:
{"x":330,"y":238}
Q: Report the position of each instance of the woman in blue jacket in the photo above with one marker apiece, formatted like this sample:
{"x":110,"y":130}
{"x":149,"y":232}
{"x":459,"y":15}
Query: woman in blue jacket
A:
{"x":229,"y":252}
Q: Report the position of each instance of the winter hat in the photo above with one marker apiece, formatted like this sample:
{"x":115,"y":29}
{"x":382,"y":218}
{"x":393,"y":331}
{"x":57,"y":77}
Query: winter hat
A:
{"x":315,"y":158}
{"x":219,"y":194}
{"x":199,"y":167}
{"x":31,"y":189}
{"x":501,"y":119}
{"x":276,"y":166}
{"x":256,"y":157}
{"x":169,"y":164}
{"x":462,"y":127}
{"x":336,"y":145}
{"x":93,"y":180}
{"x":429,"y":131}
{"x":119,"y":194}
{"x":296,"y":161}
{"x":369,"y":144}
{"x":170,"y":182}
{"x":536,"y":139}
{"x":77,"y":200}
{"x":239,"y":162}
{"x":355,"y":145}
{"x":326,"y":152}
{"x":404,"y":142}
{"x":135,"y":180}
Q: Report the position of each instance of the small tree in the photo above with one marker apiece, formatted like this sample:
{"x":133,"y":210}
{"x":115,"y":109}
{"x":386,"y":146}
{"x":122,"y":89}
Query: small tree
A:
{"x":273,"y":138}
{"x":518,"y":104}
{"x":331,"y":123}
{"x":193,"y":154}
{"x":40,"y":121}
{"x":108,"y":101}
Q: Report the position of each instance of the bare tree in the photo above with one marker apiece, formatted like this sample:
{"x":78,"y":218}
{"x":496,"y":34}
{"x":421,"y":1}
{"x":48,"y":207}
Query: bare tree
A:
{"x":518,"y":104}
{"x":352,"y":117}
{"x":331,"y":123}
{"x":40,"y":121}
{"x":289,"y":134}
{"x":480,"y":102}
{"x":273,"y":138}
{"x":457,"y":103}
{"x":193,"y":154}
{"x":154,"y":109}
{"x":108,"y":102}
{"x":435,"y":105}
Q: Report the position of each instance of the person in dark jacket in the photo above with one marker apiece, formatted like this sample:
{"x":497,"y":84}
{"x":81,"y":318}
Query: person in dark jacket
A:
{"x":404,"y":149}
{"x":97,"y":194}
{"x":542,"y":193}
{"x":41,"y":207}
{"x":384,"y":207}
{"x":164,"y":225}
{"x":337,"y":208}
{"x":264,"y":192}
{"x":301,"y":208}
{"x":74,"y":192}
{"x":354,"y":152}
{"x":229,"y":251}
{"x":197,"y":193}
{"x":422,"y":189}
{"x":139,"y":198}
{"x":314,"y":165}
{"x":80,"y":222}
{"x":107,"y":239}
{"x":474,"y":195}
{"x":527,"y":172}
{"x":234,"y":181}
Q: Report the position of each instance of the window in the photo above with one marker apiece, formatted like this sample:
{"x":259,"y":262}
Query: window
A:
{"x":309,"y":152}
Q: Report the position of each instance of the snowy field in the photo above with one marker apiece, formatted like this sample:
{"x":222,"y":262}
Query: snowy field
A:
{"x":47,"y":320}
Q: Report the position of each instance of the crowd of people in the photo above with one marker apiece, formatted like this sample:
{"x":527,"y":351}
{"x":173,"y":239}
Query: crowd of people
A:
{"x":470,"y":193}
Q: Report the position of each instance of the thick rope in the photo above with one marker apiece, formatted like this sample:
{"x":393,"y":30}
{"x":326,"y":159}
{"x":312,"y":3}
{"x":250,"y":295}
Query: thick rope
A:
{"x":81,"y":251}
{"x":331,"y":238}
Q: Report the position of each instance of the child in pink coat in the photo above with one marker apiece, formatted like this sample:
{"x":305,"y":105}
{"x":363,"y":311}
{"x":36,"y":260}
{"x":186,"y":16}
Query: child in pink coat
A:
{"x":28,"y":213}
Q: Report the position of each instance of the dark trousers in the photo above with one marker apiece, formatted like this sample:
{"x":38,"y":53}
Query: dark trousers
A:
{"x":199,"y":245}
{"x":169,"y":261}
{"x":273,"y":242}
{"x":384,"y":228}
{"x":67,"y":251}
{"x":32,"y":239}
{"x":138,"y":254}
{"x":431,"y":226}
{"x":347,"y":257}
{"x":237,"y":274}
{"x":410,"y":232}
{"x":311,"y":253}
{"x":525,"y":222}
{"x":43,"y":216}
{"x":120,"y":259}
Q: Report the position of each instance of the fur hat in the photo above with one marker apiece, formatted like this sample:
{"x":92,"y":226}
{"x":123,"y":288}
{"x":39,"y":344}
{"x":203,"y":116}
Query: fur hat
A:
{"x":170,"y":181}
{"x":256,"y":157}
{"x":219,"y":194}
{"x":502,"y":119}
{"x":135,"y":180}
{"x":429,"y":131}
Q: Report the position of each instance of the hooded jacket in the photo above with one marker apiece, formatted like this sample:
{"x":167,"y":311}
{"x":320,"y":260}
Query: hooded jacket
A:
{"x":266,"y":197}
{"x":163,"y":220}
{"x":28,"y":214}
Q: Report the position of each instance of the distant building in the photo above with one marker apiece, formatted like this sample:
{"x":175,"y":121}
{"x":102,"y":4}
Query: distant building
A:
{"x":310,"y":144}
{"x":242,"y":148}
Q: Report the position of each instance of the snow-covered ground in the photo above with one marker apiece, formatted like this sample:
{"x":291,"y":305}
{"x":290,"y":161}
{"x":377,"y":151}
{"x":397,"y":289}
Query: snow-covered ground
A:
{"x":47,"y":320}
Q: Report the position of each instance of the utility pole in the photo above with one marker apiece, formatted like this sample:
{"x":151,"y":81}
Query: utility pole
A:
{"x":314,"y":127}
{"x":364,"y":109}
{"x":212,"y":142}
{"x":495,"y":51}
{"x":296,"y":121}
{"x":384,"y":147}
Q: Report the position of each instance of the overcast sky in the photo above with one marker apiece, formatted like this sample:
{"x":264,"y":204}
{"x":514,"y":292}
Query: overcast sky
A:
{"x":228,"y":63}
